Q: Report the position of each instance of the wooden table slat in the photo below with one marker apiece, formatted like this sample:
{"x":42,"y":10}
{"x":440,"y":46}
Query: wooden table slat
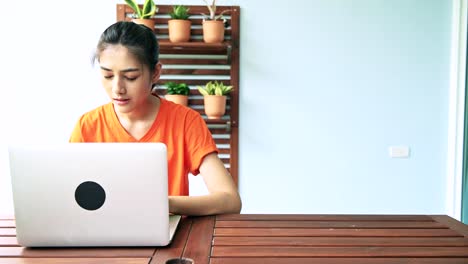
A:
{"x":199,"y":243}
{"x":302,"y":232}
{"x":307,"y":217}
{"x":74,"y":260}
{"x":276,"y":239}
{"x":7,"y":231}
{"x":76,"y":252}
{"x":7,"y":223}
{"x":280,"y":251}
{"x":8,"y":242}
{"x":329,"y":224}
{"x":330,"y":260}
{"x":341,"y":241}
{"x":177,"y":245}
{"x":452,"y":224}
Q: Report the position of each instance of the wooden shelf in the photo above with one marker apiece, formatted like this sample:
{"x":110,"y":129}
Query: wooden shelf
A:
{"x":217,"y":121}
{"x":199,"y":47}
{"x":196,"y":62}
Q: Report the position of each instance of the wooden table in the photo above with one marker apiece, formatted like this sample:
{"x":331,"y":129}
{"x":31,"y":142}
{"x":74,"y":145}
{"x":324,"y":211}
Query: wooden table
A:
{"x":277,"y":239}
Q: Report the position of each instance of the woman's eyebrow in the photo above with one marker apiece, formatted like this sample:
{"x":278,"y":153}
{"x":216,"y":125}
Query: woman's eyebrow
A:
{"x":126,"y":70}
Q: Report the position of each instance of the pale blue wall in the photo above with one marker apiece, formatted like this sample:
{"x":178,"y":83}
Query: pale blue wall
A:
{"x":326,"y":88}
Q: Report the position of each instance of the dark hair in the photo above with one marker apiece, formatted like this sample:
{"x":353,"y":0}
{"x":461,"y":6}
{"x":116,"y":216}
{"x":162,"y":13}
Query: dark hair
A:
{"x":138,"y":39}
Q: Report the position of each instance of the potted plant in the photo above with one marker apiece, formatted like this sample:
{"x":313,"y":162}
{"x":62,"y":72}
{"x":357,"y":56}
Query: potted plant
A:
{"x":177,"y":93}
{"x":179,"y":24}
{"x":213,"y":27}
{"x":214,"y":96}
{"x":143,"y":15}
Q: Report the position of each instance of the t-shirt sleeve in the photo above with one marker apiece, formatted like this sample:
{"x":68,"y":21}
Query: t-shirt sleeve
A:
{"x":77,"y":135}
{"x":199,"y":142}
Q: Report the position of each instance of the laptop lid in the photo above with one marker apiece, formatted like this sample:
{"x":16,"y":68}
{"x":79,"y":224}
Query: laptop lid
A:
{"x":90,"y":194}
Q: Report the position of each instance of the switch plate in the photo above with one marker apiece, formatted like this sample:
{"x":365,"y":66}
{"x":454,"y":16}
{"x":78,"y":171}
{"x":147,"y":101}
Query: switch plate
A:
{"x":399,"y":151}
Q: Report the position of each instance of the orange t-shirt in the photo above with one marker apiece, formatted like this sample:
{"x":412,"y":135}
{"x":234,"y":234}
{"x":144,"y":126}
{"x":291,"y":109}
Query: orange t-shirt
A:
{"x":182,"y":129}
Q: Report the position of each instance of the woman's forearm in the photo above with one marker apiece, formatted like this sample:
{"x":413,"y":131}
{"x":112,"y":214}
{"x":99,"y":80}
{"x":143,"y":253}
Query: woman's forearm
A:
{"x":211,"y":204}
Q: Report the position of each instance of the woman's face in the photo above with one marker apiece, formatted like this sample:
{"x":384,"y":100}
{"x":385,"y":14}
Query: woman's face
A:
{"x":126,"y":80}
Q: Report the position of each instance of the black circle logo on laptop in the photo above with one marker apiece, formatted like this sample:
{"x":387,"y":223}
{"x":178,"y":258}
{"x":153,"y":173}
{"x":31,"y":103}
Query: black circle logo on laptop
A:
{"x":90,"y":195}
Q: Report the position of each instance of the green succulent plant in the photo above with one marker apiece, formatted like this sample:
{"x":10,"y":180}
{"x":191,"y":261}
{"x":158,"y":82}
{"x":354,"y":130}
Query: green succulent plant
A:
{"x":177,"y":88}
{"x":215,"y":88}
{"x":148,"y":10}
{"x":180,"y":12}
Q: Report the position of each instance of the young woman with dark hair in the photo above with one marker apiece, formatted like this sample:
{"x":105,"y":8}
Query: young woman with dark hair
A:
{"x":127,"y":54}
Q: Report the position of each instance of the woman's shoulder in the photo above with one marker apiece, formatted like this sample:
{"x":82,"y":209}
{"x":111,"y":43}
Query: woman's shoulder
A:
{"x":98,"y":113}
{"x":178,"y":111}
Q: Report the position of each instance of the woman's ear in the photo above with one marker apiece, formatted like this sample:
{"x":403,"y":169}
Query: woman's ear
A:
{"x":156,"y":73}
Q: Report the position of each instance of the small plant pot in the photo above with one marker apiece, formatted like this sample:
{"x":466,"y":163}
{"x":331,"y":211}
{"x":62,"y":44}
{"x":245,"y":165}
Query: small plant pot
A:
{"x":177,"y":98}
{"x":146,"y":22}
{"x":215,"y":106}
{"x":179,"y":30}
{"x":213,"y":31}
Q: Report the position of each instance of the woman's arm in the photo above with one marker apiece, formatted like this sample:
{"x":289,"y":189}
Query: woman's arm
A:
{"x":222,"y":198}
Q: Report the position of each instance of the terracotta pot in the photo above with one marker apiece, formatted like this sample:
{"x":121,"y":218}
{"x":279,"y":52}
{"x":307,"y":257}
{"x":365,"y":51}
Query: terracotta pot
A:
{"x":213,"y":31}
{"x":177,"y":98}
{"x":149,"y":22}
{"x":179,"y":30}
{"x":215,"y":106}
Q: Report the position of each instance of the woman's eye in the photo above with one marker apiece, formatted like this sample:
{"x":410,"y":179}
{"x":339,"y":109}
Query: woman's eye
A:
{"x":131,"y":78}
{"x":108,"y":77}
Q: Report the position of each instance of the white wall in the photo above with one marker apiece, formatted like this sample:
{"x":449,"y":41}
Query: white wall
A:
{"x":325,"y":95}
{"x":47,"y":79}
{"x":325,"y":89}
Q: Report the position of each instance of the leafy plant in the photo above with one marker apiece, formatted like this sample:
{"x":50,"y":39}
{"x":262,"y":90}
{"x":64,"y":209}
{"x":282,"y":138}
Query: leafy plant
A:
{"x":177,"y":88}
{"x":179,"y":12}
{"x":215,"y":88}
{"x":148,"y":10}
{"x":212,"y":9}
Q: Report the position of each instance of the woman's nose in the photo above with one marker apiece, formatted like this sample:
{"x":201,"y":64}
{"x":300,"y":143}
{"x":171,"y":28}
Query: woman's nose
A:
{"x":118,"y":86}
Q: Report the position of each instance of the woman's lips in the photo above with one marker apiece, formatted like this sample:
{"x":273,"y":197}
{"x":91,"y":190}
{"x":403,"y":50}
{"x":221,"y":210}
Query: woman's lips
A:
{"x":121,"y":101}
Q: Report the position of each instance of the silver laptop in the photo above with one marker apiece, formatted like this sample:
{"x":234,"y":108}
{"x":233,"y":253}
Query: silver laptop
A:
{"x":91,"y":194}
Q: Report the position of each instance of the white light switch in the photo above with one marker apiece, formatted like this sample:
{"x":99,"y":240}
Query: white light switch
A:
{"x":399,"y":151}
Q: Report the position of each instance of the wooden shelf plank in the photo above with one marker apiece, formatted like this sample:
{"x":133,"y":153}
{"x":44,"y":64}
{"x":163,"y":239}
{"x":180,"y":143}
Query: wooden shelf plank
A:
{"x":166,"y":46}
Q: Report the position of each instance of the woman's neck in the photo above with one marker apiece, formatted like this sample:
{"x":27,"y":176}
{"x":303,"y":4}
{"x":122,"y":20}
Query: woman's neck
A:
{"x":145,"y":112}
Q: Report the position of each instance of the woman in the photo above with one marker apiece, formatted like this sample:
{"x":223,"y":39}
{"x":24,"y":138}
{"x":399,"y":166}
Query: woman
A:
{"x":127,"y":54}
